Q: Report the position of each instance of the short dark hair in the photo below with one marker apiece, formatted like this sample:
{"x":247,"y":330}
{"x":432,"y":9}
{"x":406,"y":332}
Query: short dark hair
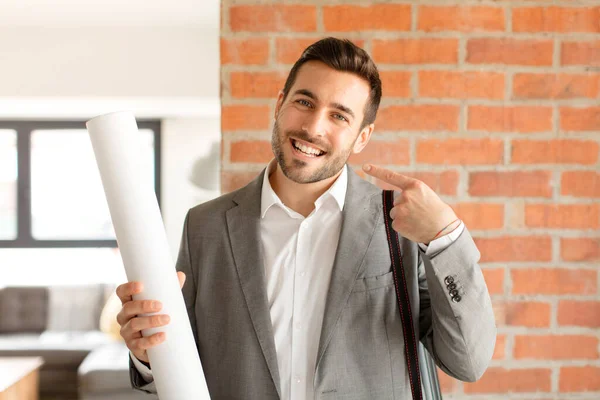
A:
{"x":342,"y":55}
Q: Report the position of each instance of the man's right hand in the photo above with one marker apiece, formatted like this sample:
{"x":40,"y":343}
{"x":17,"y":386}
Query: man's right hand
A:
{"x":132,"y":324}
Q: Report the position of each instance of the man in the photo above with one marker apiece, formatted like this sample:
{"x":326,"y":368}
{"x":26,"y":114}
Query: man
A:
{"x":289,"y":286}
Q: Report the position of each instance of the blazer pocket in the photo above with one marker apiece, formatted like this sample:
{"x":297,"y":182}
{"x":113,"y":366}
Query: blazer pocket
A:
{"x":374,"y":282}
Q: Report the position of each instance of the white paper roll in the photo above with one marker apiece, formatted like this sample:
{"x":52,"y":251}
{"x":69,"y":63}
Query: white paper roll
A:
{"x":143,"y":244}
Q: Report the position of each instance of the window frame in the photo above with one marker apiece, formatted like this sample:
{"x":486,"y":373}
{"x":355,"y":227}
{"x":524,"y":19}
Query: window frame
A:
{"x":23,"y":130}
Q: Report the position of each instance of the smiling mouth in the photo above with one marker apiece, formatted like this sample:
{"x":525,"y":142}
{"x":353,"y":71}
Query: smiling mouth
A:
{"x":307,"y":150}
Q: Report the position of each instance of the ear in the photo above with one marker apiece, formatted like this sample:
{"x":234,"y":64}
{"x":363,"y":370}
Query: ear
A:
{"x":363,"y":138}
{"x":278,"y":104}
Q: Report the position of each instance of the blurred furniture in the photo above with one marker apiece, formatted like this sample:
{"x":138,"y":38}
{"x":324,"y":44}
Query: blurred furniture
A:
{"x":104,"y":375}
{"x":61,"y":325}
{"x":19,"y":378}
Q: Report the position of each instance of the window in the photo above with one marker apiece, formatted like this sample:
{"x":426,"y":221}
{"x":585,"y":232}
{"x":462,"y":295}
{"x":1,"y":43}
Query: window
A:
{"x":55,"y":226}
{"x":8,"y":184}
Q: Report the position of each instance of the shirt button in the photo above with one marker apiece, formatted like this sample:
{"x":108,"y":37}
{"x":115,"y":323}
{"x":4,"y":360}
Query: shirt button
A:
{"x":449,"y":280}
{"x":298,"y":326}
{"x":298,"y":380}
{"x":302,"y":273}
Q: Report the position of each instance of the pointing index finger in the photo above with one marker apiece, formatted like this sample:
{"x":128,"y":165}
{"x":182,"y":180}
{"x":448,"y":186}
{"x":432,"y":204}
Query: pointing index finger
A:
{"x":391,"y":177}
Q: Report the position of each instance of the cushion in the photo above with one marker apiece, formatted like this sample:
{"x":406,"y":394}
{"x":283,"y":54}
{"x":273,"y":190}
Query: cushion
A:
{"x":23,"y":309}
{"x":76,"y":308}
{"x":106,"y":369}
{"x":108,"y":317}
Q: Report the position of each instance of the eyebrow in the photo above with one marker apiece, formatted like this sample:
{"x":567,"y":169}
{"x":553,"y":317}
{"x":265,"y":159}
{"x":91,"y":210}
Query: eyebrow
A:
{"x":339,"y":106}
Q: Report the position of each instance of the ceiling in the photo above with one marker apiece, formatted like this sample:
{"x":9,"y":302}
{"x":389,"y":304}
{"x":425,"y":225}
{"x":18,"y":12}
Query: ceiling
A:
{"x":78,"y":13}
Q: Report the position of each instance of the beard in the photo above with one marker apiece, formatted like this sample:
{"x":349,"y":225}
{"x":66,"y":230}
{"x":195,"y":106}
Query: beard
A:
{"x":298,"y":170}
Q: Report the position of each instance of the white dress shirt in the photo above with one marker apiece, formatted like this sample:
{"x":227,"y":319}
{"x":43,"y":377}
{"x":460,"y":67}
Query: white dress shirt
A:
{"x":298,"y":260}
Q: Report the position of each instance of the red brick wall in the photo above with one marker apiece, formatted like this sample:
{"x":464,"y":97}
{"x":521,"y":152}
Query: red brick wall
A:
{"x":495,"y":105}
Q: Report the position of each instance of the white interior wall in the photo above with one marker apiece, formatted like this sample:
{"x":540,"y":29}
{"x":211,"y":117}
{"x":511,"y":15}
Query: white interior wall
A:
{"x":186,"y":144}
{"x":109,"y":62}
{"x":164,"y":72}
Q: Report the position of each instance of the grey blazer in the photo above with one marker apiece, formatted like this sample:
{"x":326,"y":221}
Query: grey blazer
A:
{"x":361,"y":347}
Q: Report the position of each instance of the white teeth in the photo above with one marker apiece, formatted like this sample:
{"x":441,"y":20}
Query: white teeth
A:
{"x":306,"y":149}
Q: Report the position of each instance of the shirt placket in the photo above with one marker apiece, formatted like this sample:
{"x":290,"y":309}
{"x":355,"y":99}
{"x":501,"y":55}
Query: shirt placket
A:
{"x":299,"y":317}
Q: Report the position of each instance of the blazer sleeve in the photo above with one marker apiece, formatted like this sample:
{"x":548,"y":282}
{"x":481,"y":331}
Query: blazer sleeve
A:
{"x":459,"y":333}
{"x":137,"y":380}
{"x":189,"y":294}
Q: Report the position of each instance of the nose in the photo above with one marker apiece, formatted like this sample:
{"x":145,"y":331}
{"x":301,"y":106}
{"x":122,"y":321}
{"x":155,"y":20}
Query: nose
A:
{"x":315,"y":124}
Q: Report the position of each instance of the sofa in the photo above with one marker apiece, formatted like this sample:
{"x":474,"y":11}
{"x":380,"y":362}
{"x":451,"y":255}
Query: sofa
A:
{"x":104,"y":375}
{"x":62,"y":325}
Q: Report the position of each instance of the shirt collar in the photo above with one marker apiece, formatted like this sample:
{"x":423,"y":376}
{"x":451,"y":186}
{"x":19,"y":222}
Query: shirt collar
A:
{"x":337,"y":191}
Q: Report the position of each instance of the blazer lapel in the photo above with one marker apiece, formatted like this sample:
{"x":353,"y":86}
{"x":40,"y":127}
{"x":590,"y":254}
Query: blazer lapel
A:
{"x":359,"y":218}
{"x":243,"y":224}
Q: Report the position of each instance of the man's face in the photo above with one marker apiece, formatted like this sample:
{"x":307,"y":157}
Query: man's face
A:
{"x":317,"y":127}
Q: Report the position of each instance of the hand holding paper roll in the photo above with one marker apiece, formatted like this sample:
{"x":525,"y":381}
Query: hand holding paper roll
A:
{"x":140,"y":232}
{"x":132,"y":323}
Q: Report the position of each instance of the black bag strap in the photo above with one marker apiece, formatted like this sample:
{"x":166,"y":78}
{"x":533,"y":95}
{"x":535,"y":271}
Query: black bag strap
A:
{"x":410,"y":341}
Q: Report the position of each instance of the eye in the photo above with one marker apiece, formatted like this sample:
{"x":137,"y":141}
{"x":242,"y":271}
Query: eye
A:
{"x":303,"y":102}
{"x":340,"y":117}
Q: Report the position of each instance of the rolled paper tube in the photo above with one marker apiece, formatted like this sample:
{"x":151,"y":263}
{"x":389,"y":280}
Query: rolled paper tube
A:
{"x":142,"y":240}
